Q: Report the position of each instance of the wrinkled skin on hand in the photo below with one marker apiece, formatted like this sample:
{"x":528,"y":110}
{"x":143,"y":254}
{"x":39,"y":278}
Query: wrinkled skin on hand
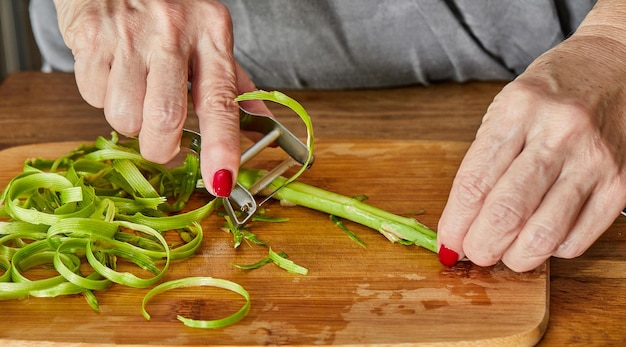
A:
{"x":134,"y":57}
{"x":546,"y":173}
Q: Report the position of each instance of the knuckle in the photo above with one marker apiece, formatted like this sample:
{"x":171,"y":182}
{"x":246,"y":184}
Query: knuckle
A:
{"x":171,"y":28}
{"x":577,"y":125}
{"x":84,"y":39}
{"x":93,"y":34}
{"x":84,"y":42}
{"x":166,"y":118}
{"x":84,"y":32}
{"x":171,"y":21}
{"x":542,"y":241}
{"x":221,"y":26}
{"x":504,"y":215}
{"x":217,"y":103}
{"x":219,"y":14}
{"x":471,"y":190}
{"x":177,"y":29}
{"x":599,"y":154}
{"x":525,"y":96}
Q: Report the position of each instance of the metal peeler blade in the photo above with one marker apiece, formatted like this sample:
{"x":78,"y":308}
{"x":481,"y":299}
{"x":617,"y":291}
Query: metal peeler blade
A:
{"x":241,"y":204}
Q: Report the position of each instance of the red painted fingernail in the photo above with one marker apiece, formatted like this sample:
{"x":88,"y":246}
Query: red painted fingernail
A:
{"x":223,"y":183}
{"x":447,"y":256}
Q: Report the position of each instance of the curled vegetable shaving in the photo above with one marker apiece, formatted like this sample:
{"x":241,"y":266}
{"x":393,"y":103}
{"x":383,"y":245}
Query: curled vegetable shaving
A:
{"x":287,"y":264}
{"x":201,"y":281}
{"x":92,"y":215}
{"x":284,"y":100}
{"x":278,"y":258}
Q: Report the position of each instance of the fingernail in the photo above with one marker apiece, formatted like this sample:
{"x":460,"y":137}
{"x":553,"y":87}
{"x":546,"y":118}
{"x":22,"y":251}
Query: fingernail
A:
{"x":447,"y":256}
{"x":222,"y":183}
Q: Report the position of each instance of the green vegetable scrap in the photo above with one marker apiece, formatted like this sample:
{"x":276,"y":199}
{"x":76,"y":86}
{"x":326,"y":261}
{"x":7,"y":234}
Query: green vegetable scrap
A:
{"x":395,"y":228}
{"x":339,"y":223}
{"x":92,"y":208}
{"x":201,"y":281}
{"x":278,"y":258}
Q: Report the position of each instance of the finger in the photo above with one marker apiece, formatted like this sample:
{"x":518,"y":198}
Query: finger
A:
{"x":512,"y":201}
{"x":126,"y":90}
{"x":92,"y":72}
{"x":214,"y":90}
{"x":484,"y":163}
{"x":164,"y":106}
{"x":550,"y":224}
{"x":596,"y":216}
{"x":82,"y":32}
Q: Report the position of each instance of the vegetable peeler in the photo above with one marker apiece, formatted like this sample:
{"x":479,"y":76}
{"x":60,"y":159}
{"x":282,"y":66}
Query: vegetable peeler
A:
{"x":241,"y":205}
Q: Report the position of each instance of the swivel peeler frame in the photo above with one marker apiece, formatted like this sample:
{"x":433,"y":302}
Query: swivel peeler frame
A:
{"x":241,"y":199}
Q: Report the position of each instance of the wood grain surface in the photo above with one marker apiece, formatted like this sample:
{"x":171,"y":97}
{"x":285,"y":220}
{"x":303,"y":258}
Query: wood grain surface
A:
{"x":587,"y":301}
{"x":383,"y":294}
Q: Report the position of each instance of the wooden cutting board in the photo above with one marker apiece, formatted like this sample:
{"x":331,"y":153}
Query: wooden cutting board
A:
{"x":383,"y":294}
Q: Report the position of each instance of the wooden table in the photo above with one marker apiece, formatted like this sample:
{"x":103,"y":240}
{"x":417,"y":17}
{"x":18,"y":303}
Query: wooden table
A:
{"x":587,"y":301}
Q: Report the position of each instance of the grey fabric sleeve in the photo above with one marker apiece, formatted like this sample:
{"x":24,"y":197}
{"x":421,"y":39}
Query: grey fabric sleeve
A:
{"x":54,"y":52}
{"x":340,"y":44}
{"x":383,"y":43}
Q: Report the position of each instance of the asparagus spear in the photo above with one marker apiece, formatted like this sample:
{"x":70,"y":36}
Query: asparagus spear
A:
{"x":393,"y":227}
